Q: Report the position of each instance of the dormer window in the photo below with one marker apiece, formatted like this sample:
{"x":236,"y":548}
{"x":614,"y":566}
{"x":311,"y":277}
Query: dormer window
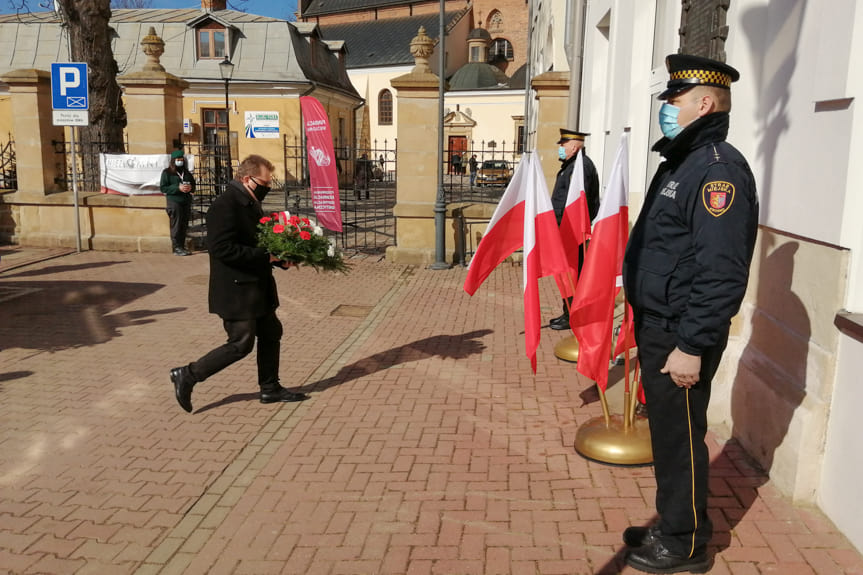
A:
{"x":212,"y":41}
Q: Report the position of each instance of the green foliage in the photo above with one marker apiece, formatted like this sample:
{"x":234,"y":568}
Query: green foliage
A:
{"x":298,"y":241}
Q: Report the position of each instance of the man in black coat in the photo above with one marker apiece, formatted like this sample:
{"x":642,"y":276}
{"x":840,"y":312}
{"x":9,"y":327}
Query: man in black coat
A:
{"x":242,"y":288}
{"x":685,"y":273}
{"x":569,"y":144}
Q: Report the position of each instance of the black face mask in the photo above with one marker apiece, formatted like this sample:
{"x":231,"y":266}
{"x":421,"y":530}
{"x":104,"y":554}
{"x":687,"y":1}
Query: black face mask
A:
{"x":260,"y":191}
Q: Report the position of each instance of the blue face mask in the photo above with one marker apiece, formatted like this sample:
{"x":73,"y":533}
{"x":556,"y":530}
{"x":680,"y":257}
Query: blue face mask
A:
{"x":668,"y":120}
{"x":561,"y":152}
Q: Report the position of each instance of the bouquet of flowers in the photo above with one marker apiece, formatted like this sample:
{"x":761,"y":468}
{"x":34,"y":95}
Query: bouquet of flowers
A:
{"x":299,"y":241}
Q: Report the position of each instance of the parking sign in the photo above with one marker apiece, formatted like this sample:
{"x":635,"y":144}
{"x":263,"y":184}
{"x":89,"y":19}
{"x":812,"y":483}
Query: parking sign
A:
{"x":69,"y":86}
{"x":69,"y":93}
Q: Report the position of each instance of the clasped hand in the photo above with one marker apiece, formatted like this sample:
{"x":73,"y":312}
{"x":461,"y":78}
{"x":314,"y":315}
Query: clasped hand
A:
{"x":683,"y":368}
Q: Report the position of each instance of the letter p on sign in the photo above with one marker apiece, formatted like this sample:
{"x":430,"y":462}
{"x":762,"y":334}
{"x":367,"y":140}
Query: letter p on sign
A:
{"x":69,"y":86}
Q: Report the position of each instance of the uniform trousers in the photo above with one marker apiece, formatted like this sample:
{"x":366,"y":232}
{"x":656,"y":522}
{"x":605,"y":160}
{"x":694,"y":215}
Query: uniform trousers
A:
{"x":678,"y":424}
{"x":178,"y":219}
{"x":267,"y":329}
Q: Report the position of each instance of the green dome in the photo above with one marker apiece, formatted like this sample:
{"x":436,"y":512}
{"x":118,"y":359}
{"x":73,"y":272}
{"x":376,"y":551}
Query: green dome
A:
{"x":477,"y":76}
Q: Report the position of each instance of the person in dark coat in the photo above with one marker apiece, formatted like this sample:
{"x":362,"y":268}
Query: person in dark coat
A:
{"x":569,"y":144}
{"x":178,"y":185}
{"x":242,"y":288}
{"x":685,"y":273}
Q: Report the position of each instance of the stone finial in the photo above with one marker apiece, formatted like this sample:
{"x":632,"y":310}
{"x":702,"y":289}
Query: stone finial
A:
{"x":153,"y":46}
{"x":421,"y":48}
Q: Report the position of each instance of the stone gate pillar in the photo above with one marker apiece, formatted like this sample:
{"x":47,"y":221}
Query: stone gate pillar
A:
{"x":37,"y":163}
{"x":154,"y":102}
{"x":416,"y":183}
{"x":552,"y":91}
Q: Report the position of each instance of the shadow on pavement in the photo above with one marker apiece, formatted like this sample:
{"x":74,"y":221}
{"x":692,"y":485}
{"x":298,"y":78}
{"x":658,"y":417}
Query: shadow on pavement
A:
{"x":56,"y":315}
{"x":61,"y":269}
{"x":10,"y":375}
{"x":444,"y":346}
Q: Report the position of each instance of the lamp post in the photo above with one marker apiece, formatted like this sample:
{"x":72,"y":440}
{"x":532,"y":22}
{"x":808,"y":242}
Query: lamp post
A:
{"x":440,"y":202}
{"x":226,"y":69}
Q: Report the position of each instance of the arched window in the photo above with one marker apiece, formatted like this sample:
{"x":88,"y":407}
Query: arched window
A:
{"x":495,"y":21}
{"x":385,"y":108}
{"x":500,"y":48}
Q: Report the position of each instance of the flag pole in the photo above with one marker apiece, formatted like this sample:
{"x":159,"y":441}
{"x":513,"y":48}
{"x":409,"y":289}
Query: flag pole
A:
{"x":627,"y":406}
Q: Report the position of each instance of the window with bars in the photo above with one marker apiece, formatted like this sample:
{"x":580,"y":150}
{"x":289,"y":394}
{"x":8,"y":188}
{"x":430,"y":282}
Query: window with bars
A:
{"x":385,"y":108}
{"x":500,"y":48}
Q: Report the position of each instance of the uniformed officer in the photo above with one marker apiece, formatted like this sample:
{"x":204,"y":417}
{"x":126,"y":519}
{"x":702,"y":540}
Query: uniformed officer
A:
{"x":685,"y":273}
{"x":569,"y":144}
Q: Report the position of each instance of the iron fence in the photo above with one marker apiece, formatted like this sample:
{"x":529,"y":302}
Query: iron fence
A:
{"x":367,"y":192}
{"x":8,"y":166}
{"x":495,"y":164}
{"x":86,"y":158}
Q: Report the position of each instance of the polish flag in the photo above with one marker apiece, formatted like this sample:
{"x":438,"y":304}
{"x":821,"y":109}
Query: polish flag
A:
{"x":592,"y":315}
{"x":523,"y":218}
{"x":574,"y":226}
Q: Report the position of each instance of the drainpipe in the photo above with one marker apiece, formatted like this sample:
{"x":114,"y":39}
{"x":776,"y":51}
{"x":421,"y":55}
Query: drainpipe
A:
{"x":576,"y":15}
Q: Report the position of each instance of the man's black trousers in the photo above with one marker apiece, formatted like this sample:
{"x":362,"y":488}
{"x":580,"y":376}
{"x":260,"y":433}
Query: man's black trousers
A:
{"x":678,"y":424}
{"x":267,"y":329}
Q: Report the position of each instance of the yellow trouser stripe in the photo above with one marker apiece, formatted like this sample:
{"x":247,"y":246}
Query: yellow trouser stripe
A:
{"x":692,"y":473}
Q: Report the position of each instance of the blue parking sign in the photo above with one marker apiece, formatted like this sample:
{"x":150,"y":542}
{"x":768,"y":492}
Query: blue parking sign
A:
{"x":69,"y":86}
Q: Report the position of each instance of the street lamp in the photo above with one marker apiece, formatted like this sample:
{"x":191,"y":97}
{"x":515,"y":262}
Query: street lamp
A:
{"x":226,"y":69}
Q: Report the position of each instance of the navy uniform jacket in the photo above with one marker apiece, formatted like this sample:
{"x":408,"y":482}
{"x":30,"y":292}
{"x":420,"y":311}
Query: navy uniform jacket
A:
{"x":241,"y":277}
{"x":561,"y":187}
{"x":687,"y":260}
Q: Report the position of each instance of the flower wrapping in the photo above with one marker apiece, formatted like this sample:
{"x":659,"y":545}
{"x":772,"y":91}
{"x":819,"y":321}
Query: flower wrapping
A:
{"x":299,"y":241}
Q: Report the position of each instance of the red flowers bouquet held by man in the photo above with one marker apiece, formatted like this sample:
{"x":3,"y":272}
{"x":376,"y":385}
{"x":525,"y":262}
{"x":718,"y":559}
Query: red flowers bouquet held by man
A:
{"x":299,"y":241}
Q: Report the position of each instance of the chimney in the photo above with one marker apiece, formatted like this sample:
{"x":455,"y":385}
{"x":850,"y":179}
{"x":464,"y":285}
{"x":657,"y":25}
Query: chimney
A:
{"x":213,"y":5}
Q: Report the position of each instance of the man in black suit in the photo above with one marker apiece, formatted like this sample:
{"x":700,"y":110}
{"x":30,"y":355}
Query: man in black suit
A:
{"x":242,"y":288}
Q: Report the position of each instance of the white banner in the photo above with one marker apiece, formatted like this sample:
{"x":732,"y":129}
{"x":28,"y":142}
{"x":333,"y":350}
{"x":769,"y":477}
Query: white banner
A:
{"x":135,"y":174}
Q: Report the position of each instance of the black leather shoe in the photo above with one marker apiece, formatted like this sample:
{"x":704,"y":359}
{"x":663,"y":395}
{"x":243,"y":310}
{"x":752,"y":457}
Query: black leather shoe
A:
{"x":183,"y":382}
{"x":638,"y":536}
{"x":559,"y":323}
{"x":283,"y":395}
{"x":655,"y":558}
{"x":181,"y":252}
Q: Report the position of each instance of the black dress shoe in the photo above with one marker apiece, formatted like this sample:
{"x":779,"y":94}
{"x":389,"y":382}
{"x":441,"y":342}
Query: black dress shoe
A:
{"x":183,"y":382}
{"x":638,"y":536}
{"x":656,"y":558}
{"x":283,"y":395}
{"x":559,"y":323}
{"x":181,"y":252}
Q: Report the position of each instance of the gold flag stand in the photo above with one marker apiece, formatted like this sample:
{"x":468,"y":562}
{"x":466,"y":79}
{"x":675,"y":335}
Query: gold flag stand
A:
{"x":567,"y":348}
{"x":619,"y":439}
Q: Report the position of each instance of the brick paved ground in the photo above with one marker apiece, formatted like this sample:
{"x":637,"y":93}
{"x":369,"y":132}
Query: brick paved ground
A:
{"x":427,"y":446}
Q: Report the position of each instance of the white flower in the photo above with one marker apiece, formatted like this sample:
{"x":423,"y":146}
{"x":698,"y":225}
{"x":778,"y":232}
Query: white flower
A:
{"x":331,"y":250}
{"x":318,"y":230}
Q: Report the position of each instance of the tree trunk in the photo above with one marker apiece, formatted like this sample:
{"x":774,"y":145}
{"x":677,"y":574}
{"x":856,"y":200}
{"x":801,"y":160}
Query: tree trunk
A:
{"x":90,"y":37}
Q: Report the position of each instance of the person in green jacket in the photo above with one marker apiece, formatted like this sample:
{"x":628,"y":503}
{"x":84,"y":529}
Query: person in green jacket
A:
{"x":178,"y":185}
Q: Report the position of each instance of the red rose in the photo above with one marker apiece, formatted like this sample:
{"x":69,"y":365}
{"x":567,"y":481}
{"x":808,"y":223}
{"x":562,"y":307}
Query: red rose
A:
{"x":264,"y":220}
{"x":306,"y":235}
{"x":278,"y":228}
{"x":294,"y":220}
{"x":305,"y":221}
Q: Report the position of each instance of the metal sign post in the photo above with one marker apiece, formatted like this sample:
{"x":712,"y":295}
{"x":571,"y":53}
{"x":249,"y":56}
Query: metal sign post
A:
{"x":70,"y":100}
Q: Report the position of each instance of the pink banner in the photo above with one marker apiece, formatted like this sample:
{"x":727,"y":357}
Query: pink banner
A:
{"x":322,"y":164}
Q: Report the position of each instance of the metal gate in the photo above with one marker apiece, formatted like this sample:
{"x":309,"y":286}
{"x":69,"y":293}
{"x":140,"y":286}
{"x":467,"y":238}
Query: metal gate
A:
{"x":8,"y":166}
{"x":211,"y":167}
{"x":367,"y":193}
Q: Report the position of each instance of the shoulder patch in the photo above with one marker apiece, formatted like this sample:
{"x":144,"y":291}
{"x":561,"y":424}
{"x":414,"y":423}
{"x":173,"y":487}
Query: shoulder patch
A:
{"x":717,"y":197}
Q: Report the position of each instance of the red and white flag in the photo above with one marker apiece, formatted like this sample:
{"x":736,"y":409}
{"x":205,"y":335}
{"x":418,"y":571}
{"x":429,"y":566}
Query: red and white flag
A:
{"x":323,"y":177}
{"x":523,"y":218}
{"x":574,"y":226}
{"x":592,"y":315}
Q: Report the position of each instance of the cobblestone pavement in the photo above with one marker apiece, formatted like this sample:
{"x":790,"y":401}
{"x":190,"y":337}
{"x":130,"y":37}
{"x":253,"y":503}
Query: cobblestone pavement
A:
{"x":428,"y":446}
